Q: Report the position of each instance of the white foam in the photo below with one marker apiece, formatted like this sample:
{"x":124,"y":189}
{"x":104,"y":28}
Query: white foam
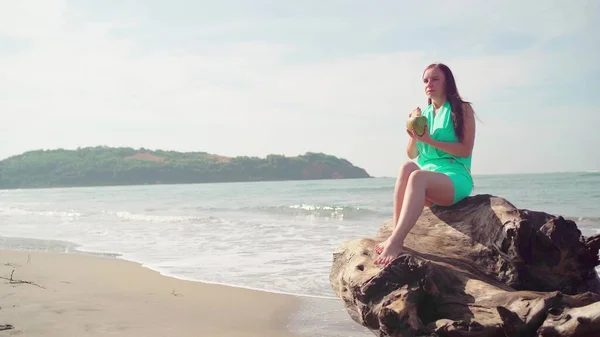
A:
{"x":277,"y":255}
{"x":8,"y":211}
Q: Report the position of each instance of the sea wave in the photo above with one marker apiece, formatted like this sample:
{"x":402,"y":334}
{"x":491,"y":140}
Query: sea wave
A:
{"x":165,"y":218}
{"x":294,"y":210}
{"x":327,"y":211}
{"x":339,"y":212}
{"x":12,"y":211}
{"x":595,"y":220}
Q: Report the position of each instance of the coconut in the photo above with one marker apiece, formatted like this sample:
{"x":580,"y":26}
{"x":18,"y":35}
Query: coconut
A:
{"x":417,"y":124}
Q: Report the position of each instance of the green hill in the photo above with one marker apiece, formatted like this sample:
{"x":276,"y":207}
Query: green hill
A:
{"x":104,"y":166}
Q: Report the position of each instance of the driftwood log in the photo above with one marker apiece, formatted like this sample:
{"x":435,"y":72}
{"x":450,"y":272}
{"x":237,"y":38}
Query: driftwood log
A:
{"x":479,"y":268}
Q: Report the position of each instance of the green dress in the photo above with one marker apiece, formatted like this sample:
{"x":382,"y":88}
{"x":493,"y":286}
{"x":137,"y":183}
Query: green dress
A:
{"x":441,"y":128}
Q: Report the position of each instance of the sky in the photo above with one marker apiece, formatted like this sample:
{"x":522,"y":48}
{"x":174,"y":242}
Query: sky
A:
{"x":256,"y":77}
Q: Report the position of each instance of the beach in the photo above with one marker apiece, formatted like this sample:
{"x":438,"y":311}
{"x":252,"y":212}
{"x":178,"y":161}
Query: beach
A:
{"x":86,"y":295}
{"x":266,"y":246}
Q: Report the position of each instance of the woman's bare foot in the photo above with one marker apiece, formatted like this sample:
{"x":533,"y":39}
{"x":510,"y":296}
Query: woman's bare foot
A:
{"x":390,"y":251}
{"x":381,"y":246}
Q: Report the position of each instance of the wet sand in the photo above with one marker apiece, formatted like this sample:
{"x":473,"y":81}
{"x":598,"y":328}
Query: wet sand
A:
{"x":85,"y":295}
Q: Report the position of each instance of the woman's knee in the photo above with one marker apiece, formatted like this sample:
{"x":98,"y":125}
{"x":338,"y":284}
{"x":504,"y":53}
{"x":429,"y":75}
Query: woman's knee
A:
{"x":417,"y":177}
{"x":407,"y":169}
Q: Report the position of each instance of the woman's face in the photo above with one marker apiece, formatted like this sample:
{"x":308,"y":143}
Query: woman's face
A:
{"x":434,"y":82}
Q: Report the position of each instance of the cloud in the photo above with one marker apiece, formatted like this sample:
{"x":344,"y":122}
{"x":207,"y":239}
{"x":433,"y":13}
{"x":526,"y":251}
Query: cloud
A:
{"x":29,"y":19}
{"x":243,"y":86}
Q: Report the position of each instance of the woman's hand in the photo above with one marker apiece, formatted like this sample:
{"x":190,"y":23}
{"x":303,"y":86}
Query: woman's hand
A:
{"x":425,"y":138}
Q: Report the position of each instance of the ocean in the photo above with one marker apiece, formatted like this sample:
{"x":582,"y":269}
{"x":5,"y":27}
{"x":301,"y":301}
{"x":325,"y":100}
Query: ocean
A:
{"x":273,"y":236}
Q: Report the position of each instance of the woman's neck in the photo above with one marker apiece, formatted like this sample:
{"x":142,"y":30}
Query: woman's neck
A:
{"x":437,"y":103}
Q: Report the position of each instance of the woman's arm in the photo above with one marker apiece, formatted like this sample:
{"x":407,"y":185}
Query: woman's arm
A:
{"x":463,"y":148}
{"x":411,"y":148}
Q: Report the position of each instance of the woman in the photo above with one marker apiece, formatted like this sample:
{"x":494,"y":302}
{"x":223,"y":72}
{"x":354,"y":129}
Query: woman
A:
{"x":443,"y":174}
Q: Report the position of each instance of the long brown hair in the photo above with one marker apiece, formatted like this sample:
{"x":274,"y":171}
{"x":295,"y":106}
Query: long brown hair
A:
{"x":456,"y":102}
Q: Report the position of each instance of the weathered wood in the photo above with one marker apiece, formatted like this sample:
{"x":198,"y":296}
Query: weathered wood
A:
{"x":479,"y":268}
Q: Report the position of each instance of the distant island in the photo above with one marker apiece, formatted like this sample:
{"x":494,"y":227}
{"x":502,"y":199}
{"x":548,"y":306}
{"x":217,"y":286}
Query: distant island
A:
{"x":110,"y":166}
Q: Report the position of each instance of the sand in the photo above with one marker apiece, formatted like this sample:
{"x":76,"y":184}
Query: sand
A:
{"x":87,"y":295}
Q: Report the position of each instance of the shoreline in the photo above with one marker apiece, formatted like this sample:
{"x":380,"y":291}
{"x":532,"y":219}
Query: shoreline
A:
{"x":76,"y":248}
{"x":69,"y":247}
{"x":88,"y":295}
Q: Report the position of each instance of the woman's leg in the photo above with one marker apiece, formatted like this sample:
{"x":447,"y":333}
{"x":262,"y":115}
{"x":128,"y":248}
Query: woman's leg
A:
{"x":405,"y":171}
{"x":434,"y":186}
